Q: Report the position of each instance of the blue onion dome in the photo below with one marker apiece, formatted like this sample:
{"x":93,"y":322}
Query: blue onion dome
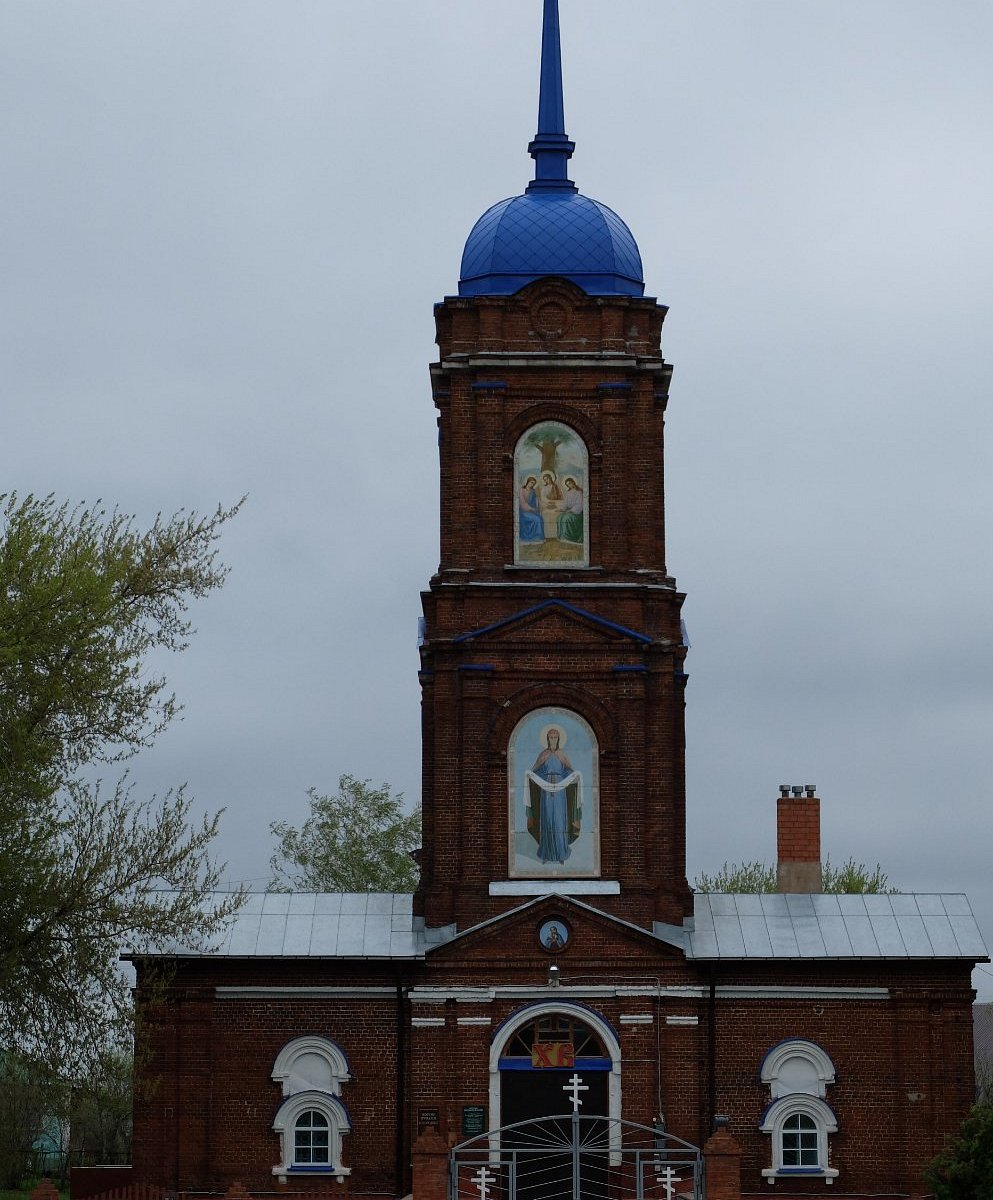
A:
{"x":551,"y":229}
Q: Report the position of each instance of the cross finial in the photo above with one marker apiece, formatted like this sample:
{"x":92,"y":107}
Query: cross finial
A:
{"x":551,"y":149}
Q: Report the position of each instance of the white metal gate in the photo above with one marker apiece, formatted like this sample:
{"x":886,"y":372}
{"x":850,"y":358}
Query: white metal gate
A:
{"x":573,"y":1157}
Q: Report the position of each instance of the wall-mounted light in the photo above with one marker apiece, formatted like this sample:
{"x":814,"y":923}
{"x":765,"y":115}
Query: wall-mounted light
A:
{"x":554,"y":975}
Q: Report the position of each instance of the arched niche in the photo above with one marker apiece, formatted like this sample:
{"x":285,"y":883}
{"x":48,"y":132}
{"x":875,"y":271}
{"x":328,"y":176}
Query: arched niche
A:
{"x":553,"y":797}
{"x":551,"y":497}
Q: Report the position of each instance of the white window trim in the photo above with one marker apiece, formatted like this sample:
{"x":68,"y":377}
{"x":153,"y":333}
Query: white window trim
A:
{"x":774,"y":1061}
{"x":773,"y":1120}
{"x":284,"y":1124}
{"x":332,"y":1054}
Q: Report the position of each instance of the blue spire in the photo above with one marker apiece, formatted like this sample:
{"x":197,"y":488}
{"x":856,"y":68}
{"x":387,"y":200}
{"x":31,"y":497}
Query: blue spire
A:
{"x":551,"y":149}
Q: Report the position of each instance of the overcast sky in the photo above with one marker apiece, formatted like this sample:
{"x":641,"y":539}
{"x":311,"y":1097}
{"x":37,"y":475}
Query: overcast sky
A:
{"x":223,"y":227}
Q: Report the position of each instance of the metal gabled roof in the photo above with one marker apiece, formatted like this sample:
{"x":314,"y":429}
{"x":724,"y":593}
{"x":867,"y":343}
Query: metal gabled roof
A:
{"x":901,"y":925}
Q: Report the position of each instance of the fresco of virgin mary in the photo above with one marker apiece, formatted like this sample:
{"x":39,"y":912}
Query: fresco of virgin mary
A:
{"x":553,"y":790}
{"x":554,"y":800}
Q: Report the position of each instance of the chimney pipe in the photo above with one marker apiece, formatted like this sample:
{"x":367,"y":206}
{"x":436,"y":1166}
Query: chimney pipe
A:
{"x":798,"y":840}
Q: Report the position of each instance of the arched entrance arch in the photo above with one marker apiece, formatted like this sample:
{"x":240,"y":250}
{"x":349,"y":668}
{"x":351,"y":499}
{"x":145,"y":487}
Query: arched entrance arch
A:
{"x":580,"y":1018}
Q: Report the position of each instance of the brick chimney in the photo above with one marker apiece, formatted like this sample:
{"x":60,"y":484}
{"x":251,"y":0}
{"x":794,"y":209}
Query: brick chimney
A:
{"x":798,"y":839}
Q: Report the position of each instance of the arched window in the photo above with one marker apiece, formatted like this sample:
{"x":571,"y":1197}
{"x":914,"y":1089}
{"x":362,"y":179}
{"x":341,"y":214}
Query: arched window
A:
{"x":310,"y":1139}
{"x":799,"y":1119}
{"x":310,"y":1126}
{"x":312,"y":1120}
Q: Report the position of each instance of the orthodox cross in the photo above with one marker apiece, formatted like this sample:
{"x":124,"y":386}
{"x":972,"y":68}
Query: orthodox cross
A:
{"x":668,"y":1178}
{"x":482,"y":1179}
{"x":575,"y":1086}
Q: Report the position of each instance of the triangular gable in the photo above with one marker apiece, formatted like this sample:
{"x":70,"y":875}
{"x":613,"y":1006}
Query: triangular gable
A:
{"x":549,"y":608}
{"x":495,"y":929}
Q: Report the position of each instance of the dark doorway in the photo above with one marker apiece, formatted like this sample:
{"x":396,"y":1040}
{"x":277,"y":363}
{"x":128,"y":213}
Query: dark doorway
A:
{"x":547,"y":1163}
{"x":557,"y":1159}
{"x":527,"y":1095}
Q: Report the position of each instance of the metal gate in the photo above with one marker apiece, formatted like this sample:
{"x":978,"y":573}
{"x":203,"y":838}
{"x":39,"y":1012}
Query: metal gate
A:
{"x":575,"y":1157}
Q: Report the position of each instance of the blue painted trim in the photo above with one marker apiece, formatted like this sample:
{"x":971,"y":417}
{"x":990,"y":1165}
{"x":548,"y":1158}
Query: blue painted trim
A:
{"x":489,"y":385}
{"x":475,"y":667}
{"x":630,"y":670}
{"x":312,"y":1169}
{"x":581,"y":1064}
{"x":643,"y":638}
{"x":615,"y":387}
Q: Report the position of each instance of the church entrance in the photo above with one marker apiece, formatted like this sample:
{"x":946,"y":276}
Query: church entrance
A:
{"x":538,"y":1061}
{"x":575,"y":1158}
{"x":552,"y":1069}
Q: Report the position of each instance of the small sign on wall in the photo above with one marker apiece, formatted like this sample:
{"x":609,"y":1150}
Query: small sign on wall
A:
{"x":426,"y":1117}
{"x":473,"y":1119}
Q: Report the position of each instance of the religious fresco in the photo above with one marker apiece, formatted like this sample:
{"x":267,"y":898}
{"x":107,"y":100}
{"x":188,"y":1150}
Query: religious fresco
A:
{"x":551,"y":524}
{"x":553,"y":797}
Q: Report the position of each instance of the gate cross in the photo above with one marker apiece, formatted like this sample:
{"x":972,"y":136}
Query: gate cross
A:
{"x":575,"y":1086}
{"x":482,"y":1179}
{"x":668,"y":1178}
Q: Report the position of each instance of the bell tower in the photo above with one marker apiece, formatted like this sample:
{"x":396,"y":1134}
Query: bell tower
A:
{"x":552,"y":656}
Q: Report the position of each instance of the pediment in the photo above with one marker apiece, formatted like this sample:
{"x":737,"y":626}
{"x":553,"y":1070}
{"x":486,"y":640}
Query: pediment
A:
{"x":589,"y":933}
{"x":554,"y":621}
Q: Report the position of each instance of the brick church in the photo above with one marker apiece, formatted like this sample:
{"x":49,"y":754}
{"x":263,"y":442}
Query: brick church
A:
{"x":554,"y":960}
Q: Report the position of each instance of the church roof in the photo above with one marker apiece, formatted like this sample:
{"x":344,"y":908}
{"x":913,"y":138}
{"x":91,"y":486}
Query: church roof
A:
{"x":551,"y":229}
{"x":783,"y":926}
{"x":381,"y":925}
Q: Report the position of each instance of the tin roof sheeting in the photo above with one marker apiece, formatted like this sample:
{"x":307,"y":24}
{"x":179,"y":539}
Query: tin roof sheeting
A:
{"x":778,"y":925}
{"x":318,"y":925}
{"x":381,"y":925}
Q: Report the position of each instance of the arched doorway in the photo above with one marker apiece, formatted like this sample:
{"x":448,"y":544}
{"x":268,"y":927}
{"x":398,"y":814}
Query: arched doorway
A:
{"x":539,"y":1058}
{"x":554,"y":1061}
{"x":518,"y":1066}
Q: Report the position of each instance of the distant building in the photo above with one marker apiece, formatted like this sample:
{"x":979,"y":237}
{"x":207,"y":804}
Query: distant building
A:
{"x":554,"y":959}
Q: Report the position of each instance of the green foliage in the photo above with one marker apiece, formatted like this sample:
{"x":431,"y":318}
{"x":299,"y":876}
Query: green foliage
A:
{"x":738,"y":877}
{"x":86,"y":598}
{"x":853,"y":877}
{"x":100,"y":1112}
{"x":850,"y":877}
{"x":32,"y":1100}
{"x":964,"y":1169}
{"x":357,"y":840}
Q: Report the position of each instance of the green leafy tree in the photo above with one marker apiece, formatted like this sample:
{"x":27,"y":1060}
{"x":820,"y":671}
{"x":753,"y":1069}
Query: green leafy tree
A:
{"x":964,"y":1169}
{"x":32,"y":1101}
{"x":359,"y":839}
{"x":86,"y":599}
{"x":100,"y":1111}
{"x":738,"y":877}
{"x":761,"y":877}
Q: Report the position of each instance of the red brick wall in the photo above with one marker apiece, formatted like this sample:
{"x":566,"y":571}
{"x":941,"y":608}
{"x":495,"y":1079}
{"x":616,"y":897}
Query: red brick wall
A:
{"x":903,"y":1062}
{"x":553,"y":657}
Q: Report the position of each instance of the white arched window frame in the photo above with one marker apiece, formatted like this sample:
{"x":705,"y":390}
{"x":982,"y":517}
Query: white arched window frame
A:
{"x":310,"y":1071}
{"x":297,"y":1160}
{"x":780,"y":1118}
{"x":799,"y":1119}
{"x":311,"y":1063}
